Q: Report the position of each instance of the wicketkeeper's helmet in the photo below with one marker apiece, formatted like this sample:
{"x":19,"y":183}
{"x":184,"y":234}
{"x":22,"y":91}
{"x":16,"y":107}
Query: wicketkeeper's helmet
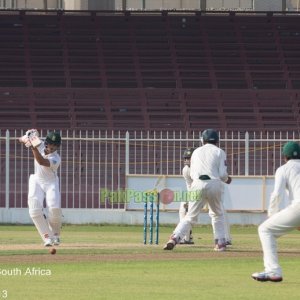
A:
{"x":210,"y":136}
{"x":53,"y":138}
{"x":188,"y":152}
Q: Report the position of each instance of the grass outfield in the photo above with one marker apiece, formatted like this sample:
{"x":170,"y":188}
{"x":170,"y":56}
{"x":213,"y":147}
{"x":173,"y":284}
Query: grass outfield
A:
{"x":110,"y":262}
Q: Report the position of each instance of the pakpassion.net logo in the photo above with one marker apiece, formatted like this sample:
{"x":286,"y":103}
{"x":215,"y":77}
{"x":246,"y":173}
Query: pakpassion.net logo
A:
{"x":165,"y":196}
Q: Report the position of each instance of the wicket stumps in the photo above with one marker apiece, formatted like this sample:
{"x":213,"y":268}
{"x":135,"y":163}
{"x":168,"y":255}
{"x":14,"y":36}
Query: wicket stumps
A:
{"x":150,"y":198}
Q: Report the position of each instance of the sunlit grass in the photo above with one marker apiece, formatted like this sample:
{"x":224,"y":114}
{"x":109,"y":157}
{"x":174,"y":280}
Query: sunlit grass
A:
{"x":133,"y":272}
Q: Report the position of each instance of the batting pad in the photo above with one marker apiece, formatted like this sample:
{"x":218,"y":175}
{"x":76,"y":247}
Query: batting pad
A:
{"x":55,"y":220}
{"x":40,"y":222}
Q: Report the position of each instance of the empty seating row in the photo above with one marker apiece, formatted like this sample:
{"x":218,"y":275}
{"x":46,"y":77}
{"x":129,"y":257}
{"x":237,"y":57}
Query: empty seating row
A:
{"x":153,"y":71}
{"x":150,"y":51}
{"x":149,"y":109}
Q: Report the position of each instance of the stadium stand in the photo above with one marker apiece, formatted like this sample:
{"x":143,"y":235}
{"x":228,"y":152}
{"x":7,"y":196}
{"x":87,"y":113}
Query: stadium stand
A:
{"x":136,"y":71}
{"x":150,"y":71}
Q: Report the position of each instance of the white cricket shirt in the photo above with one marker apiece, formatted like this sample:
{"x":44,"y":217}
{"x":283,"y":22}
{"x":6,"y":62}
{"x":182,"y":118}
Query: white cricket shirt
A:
{"x":287,"y":177}
{"x":47,"y":174}
{"x":209,"y":160}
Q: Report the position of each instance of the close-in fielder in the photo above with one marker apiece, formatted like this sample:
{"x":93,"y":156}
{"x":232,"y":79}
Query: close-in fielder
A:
{"x":287,"y":177}
{"x":183,"y":209}
{"x":44,"y":184}
{"x":208,"y":170}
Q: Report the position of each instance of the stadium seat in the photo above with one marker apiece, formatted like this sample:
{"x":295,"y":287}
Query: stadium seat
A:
{"x":139,"y":71}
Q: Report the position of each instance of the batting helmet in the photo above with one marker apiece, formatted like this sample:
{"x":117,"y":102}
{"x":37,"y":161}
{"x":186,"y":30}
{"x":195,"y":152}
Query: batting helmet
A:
{"x":210,"y":136}
{"x":53,"y":138}
{"x":188,"y":152}
{"x":291,"y":150}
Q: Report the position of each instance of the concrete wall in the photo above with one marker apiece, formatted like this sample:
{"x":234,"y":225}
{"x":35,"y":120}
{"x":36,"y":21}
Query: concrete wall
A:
{"x":96,"y":216}
{"x":246,"y":201}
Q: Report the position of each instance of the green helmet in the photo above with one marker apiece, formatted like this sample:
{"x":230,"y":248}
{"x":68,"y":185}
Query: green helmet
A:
{"x":291,"y":150}
{"x":188,"y":152}
{"x":53,"y":138}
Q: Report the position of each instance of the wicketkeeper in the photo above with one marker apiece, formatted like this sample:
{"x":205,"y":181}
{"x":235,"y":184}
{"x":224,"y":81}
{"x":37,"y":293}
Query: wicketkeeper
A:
{"x":44,"y":184}
{"x":184,"y":206}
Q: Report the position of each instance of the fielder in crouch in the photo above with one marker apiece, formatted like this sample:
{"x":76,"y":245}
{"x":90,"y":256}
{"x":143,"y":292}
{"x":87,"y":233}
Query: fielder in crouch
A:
{"x":184,"y":206}
{"x":287,"y":177}
{"x":208,"y":170}
{"x":44,"y":184}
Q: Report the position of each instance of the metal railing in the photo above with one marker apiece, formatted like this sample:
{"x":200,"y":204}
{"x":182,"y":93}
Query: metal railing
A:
{"x":97,"y":160}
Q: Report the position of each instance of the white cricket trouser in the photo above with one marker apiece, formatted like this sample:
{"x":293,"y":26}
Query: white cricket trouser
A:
{"x":226,"y":221}
{"x":182,"y":210}
{"x":182,"y":214}
{"x":274,"y":227}
{"x":209,"y":192}
{"x":38,"y":191}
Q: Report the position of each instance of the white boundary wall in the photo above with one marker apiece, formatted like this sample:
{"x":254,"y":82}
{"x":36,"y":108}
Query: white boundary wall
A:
{"x":97,"y":216}
{"x":246,"y":204}
{"x":245,"y":193}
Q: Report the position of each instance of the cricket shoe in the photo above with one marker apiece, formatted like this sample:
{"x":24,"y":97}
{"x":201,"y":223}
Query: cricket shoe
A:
{"x":220,"y":247}
{"x":56,"y":241}
{"x":266,"y":276}
{"x":185,"y":242}
{"x":170,"y":244}
{"x":228,"y":243}
{"x":48,"y":242}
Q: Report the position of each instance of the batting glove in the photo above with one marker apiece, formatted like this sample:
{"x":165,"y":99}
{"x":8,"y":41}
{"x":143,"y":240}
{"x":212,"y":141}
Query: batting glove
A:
{"x":32,"y":132}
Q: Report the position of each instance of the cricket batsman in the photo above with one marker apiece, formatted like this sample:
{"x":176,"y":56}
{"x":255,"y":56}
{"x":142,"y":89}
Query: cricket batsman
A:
{"x":44,"y":184}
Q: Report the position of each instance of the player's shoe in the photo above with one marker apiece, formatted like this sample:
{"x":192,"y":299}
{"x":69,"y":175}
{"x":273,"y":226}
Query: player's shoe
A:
{"x":189,"y":241}
{"x":56,"y":241}
{"x":228,"y":243}
{"x":220,"y":247}
{"x":266,"y":276}
{"x":170,"y":244}
{"x":48,"y":242}
{"x":185,"y":242}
